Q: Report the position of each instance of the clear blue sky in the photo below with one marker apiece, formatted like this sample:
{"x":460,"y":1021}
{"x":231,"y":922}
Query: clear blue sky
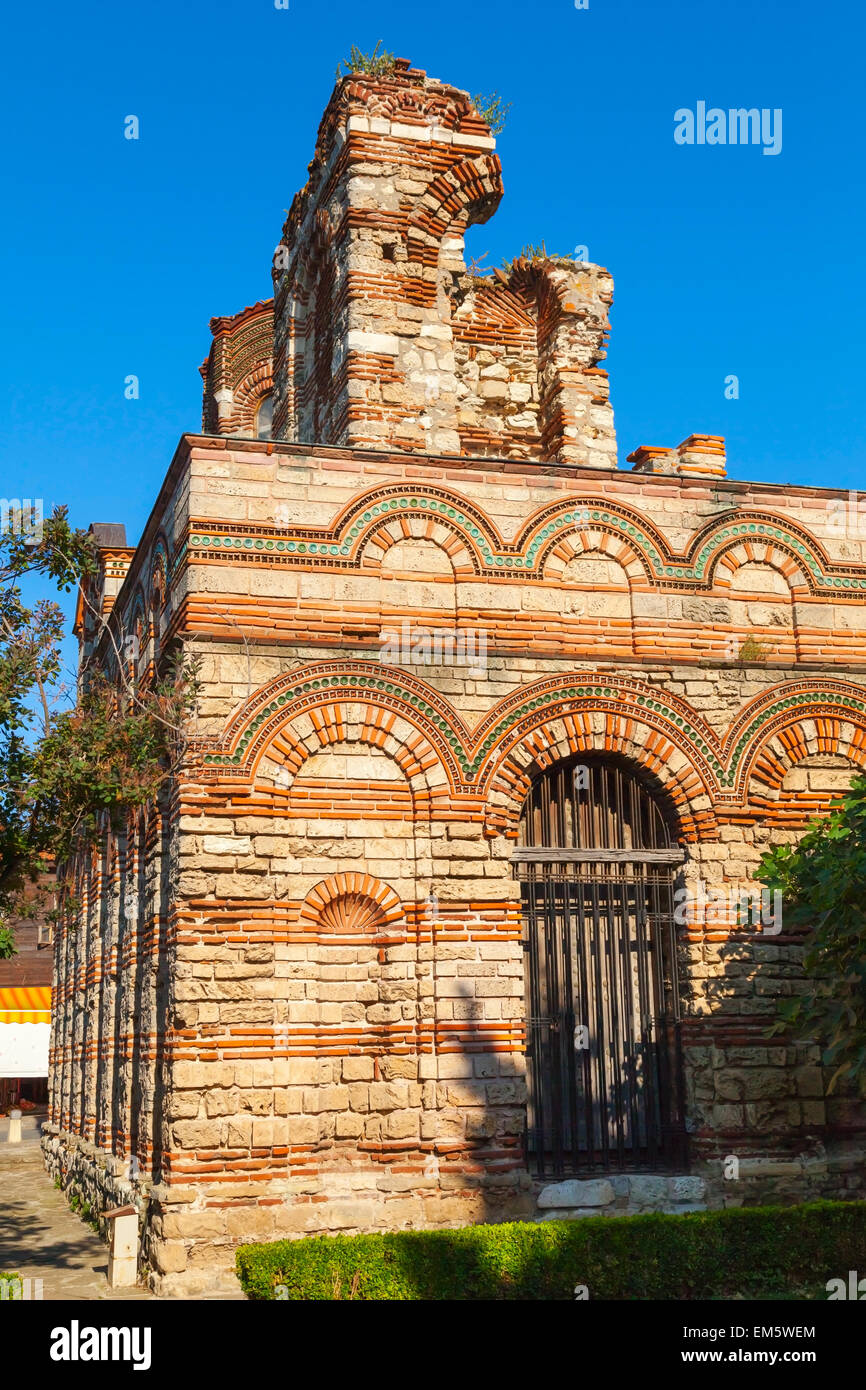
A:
{"x":115,"y":253}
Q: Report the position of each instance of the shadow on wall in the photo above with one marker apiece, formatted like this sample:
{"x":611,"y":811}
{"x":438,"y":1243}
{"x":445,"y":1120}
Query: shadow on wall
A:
{"x":757,"y":1105}
{"x":478,"y":1152}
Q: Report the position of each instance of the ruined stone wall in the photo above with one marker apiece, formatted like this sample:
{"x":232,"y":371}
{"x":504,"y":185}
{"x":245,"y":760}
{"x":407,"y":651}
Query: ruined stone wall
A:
{"x":238,"y":371}
{"x":335,"y":993}
{"x":382,"y":339}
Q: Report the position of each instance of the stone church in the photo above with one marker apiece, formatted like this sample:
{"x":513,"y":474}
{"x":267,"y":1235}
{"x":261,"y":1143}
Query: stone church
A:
{"x":451,"y":915}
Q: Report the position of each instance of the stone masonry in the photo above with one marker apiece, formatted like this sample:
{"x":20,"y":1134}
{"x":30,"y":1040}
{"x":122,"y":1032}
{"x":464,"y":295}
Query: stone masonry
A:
{"x":292,"y":1000}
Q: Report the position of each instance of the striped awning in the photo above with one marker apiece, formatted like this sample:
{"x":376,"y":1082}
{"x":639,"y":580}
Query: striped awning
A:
{"x":25,"y":1004}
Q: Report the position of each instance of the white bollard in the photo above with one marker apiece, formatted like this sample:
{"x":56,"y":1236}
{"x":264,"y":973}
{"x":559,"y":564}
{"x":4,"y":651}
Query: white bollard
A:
{"x":14,"y":1127}
{"x":123,"y":1247}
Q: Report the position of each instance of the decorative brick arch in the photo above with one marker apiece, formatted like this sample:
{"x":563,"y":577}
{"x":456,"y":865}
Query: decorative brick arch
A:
{"x":305,"y":710}
{"x":719,"y":549}
{"x":605,"y":522}
{"x":780,"y":640}
{"x":249,"y":393}
{"x":475,"y":540}
{"x":546,"y":285}
{"x":352,"y":904}
{"x":464,"y":195}
{"x":743,"y":538}
{"x":383,"y":536}
{"x":803,"y":714}
{"x":159,"y":562}
{"x":158,"y":590}
{"x":283,"y":774}
{"x":736,"y":555}
{"x":236,"y":367}
{"x":574,"y":544}
{"x":593,"y":719}
{"x":319,"y":728}
{"x":797,"y":742}
{"x":561,"y":738}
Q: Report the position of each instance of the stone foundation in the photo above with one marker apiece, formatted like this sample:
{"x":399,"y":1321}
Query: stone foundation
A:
{"x":188,"y":1247}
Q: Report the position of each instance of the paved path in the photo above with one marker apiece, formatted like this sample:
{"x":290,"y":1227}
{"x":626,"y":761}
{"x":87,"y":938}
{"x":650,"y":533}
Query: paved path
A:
{"x":40,"y":1238}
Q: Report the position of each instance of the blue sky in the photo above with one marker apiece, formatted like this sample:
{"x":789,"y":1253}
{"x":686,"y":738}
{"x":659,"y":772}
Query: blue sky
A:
{"x":116,"y":253}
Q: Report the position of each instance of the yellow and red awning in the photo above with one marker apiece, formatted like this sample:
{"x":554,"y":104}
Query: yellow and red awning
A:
{"x":25,"y":1004}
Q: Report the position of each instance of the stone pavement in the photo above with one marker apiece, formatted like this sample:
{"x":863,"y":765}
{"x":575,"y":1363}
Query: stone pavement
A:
{"x":40,"y":1238}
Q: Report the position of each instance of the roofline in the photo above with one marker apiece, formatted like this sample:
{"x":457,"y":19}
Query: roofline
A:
{"x":227,"y":323}
{"x":451,"y":463}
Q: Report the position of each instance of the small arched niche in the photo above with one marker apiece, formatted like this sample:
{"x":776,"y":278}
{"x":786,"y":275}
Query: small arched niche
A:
{"x":264,"y":419}
{"x":762,"y":613}
{"x":586,"y":603}
{"x":418,"y":588}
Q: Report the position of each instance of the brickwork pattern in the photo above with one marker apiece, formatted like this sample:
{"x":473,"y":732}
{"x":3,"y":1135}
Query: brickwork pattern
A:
{"x":292,"y":998}
{"x":295,"y":994}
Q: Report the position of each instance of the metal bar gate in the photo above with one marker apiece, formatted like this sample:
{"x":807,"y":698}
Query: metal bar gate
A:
{"x":604,"y":1070}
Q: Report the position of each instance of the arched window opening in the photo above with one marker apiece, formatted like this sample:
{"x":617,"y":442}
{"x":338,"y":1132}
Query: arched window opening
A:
{"x":597,"y":862}
{"x":265,"y":417}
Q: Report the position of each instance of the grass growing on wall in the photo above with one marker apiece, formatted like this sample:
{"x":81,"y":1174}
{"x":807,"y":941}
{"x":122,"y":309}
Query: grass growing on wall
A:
{"x":751,"y":1252}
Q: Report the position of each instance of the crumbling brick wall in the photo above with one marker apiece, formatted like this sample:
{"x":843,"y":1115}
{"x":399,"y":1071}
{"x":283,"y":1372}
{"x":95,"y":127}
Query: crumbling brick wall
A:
{"x":378,"y":327}
{"x":238,"y":371}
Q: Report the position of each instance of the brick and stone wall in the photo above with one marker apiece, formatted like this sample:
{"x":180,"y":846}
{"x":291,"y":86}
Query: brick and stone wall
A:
{"x":293,"y":998}
{"x":295,"y":994}
{"x":238,"y":371}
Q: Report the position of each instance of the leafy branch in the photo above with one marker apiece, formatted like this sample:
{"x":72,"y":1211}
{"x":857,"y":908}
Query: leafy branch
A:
{"x":823,"y":882}
{"x":65,"y":776}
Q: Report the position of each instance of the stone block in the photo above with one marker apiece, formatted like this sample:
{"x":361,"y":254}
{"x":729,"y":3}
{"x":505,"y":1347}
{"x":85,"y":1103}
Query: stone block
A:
{"x":687,"y":1189}
{"x":576,"y":1192}
{"x":647,"y":1190}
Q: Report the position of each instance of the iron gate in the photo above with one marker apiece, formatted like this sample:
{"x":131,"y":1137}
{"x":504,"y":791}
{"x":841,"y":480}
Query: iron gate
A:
{"x":597,"y":865}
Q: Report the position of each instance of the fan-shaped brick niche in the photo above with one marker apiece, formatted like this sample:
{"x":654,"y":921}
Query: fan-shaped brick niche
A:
{"x":351,"y":905}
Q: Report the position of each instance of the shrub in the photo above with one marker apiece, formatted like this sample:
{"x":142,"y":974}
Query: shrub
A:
{"x":749,"y":1252}
{"x":492,"y":110}
{"x":375,"y":64}
{"x":823,"y":884}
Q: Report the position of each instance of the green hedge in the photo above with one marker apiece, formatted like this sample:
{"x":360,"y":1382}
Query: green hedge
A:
{"x":749,"y":1251}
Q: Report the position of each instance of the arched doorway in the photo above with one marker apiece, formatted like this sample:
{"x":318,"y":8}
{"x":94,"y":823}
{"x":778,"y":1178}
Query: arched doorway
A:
{"x":597,"y":861}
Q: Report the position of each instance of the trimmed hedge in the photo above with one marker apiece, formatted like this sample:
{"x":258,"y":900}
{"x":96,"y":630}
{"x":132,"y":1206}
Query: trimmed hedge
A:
{"x":751,"y":1252}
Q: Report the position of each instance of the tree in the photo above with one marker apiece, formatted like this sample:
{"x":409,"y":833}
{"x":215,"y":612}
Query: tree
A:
{"x":68,"y":775}
{"x":823,"y":885}
{"x":30,"y":665}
